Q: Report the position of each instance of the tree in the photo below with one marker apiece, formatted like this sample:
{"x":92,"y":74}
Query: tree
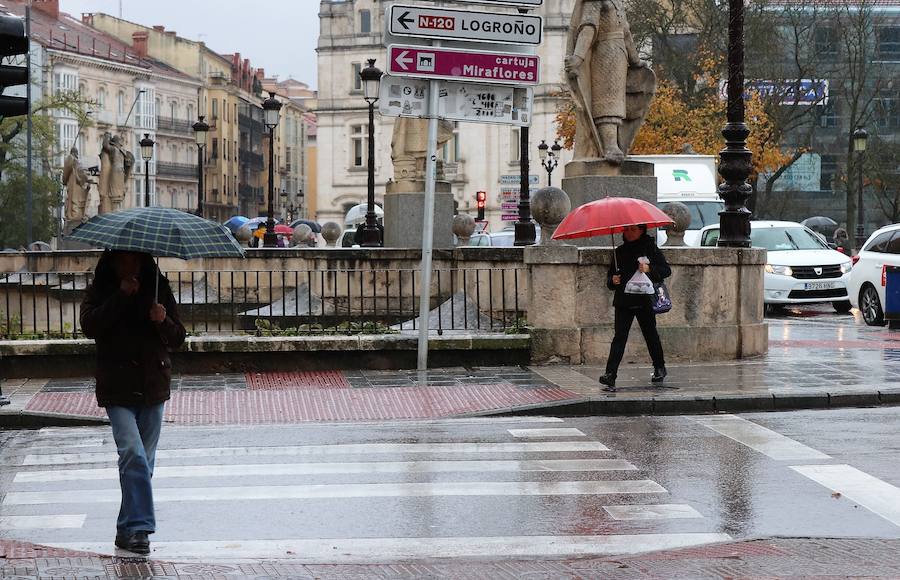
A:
{"x":881,"y":167}
{"x":46,"y":198}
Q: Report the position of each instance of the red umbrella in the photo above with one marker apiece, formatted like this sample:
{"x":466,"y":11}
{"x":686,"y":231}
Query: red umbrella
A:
{"x":279,"y":229}
{"x":608,"y":216}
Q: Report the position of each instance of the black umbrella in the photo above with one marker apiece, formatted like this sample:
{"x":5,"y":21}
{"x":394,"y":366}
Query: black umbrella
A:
{"x":316,"y":228}
{"x":820,"y":222}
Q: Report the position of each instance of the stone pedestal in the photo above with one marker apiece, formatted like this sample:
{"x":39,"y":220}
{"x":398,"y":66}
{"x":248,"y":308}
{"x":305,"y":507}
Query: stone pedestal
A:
{"x":587,"y":181}
{"x":404,"y":209}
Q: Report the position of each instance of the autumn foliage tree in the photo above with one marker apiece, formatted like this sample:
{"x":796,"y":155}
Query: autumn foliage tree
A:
{"x":676,"y":119}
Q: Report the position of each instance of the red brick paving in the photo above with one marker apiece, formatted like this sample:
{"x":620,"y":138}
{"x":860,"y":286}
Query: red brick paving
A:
{"x":297,"y":380}
{"x":322,"y":404}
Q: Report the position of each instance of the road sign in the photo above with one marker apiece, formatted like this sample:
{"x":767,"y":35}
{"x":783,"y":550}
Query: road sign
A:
{"x":463,"y":65}
{"x":509,"y":217}
{"x":444,"y":24}
{"x":509,"y":205}
{"x":515,"y":179}
{"x":528,"y":3}
{"x":466,"y":102}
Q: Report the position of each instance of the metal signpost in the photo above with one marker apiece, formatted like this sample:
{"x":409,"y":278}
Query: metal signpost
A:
{"x":467,"y":102}
{"x":430,"y":22}
{"x":426,"y":88}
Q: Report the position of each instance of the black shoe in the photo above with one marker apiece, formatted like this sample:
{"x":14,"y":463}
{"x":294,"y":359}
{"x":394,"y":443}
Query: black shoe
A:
{"x":138,"y":542}
{"x":659,"y":374}
{"x":609,"y":380}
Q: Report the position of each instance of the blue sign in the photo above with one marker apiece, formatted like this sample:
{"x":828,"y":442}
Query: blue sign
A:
{"x":789,"y":91}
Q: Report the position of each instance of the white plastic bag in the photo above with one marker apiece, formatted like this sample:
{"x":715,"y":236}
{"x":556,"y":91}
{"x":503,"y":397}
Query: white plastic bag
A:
{"x":640,"y":283}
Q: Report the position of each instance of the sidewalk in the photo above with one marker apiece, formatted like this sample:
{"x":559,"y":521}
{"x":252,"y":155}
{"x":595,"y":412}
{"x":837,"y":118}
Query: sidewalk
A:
{"x":813,"y":362}
{"x":764,"y":558}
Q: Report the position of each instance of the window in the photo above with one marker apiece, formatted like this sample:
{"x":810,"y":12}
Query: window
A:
{"x":829,"y":171}
{"x":215,"y":108}
{"x":358,"y":140}
{"x":893,"y":246}
{"x":65,"y":81}
{"x":120,"y":103}
{"x":173,"y":110}
{"x":828,"y":116}
{"x":356,"y":82}
{"x":887,"y":108}
{"x":67,"y":137}
{"x":887,"y":42}
{"x":880,"y":243}
{"x":101,"y":99}
{"x":826,"y":41}
{"x":515,"y":145}
{"x":365,"y":21}
{"x":190,"y":113}
{"x":145,"y":109}
{"x":450,"y":151}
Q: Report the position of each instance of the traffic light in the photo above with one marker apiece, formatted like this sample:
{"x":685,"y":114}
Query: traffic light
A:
{"x":13,"y":42}
{"x":480,"y":198}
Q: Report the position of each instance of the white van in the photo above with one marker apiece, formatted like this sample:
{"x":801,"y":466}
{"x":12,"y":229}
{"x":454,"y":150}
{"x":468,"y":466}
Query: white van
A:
{"x":690,"y":179}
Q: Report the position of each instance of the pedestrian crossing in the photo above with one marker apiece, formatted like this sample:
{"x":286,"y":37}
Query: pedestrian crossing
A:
{"x":474,"y":489}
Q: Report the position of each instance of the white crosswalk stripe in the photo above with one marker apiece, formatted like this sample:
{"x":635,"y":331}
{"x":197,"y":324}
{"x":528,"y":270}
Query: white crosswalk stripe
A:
{"x":455,"y":477}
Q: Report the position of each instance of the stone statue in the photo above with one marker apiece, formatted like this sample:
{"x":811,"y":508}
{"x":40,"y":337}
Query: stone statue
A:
{"x":78,"y":186}
{"x":409,"y":146}
{"x":116,"y":164}
{"x":611,"y":86}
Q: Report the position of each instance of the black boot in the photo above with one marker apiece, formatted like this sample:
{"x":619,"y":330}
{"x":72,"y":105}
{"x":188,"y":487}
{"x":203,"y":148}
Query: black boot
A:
{"x":609,"y":380}
{"x":659,"y":374}
{"x":137,"y":542}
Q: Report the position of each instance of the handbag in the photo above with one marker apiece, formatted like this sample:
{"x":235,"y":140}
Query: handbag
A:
{"x":662,"y":301}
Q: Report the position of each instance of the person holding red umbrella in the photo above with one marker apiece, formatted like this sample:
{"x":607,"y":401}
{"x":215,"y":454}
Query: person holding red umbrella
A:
{"x":637,"y":244}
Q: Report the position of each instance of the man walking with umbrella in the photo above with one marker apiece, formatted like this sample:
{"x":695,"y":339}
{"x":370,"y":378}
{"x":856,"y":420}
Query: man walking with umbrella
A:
{"x":130,"y":312}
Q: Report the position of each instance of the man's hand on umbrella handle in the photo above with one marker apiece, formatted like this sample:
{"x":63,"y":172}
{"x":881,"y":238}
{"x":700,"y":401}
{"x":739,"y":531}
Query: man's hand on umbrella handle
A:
{"x":616,"y":279}
{"x":157,"y":313}
{"x":130,"y":286}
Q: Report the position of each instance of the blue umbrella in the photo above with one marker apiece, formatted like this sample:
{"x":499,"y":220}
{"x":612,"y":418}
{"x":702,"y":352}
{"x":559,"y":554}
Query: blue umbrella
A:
{"x":235,"y":223}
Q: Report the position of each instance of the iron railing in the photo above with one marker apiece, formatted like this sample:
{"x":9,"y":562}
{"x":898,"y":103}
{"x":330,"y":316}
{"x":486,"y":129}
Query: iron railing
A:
{"x":299,"y":302}
{"x":180,"y":170}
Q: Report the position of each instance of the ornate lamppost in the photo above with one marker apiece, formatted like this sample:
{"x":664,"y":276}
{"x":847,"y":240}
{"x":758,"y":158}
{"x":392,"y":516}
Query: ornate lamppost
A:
{"x":860,"y":137}
{"x":201,"y":129}
{"x":272,"y":114}
{"x":735,"y":158}
{"x":371,"y":79}
{"x":549,"y":157}
{"x":525,"y":232}
{"x":147,"y":153}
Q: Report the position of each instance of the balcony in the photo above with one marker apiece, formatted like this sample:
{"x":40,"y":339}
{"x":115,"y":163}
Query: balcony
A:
{"x":249,"y":193}
{"x":254,"y":160}
{"x":174,"y":126}
{"x":181,"y":171}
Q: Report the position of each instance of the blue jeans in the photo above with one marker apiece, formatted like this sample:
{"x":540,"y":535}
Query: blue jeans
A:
{"x":136,"y":432}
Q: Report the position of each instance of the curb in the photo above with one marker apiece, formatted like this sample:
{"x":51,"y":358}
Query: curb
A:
{"x":690,"y":405}
{"x":31,"y":420}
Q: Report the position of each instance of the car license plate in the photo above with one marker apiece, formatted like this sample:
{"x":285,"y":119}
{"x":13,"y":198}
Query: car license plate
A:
{"x":819,"y":286}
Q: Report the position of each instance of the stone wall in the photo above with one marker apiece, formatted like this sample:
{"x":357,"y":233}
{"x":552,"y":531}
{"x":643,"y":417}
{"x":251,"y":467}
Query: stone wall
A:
{"x":717,"y":312}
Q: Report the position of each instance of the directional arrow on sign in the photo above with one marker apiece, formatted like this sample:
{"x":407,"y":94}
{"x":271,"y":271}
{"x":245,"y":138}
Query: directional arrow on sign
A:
{"x":402,"y":60}
{"x":405,"y":20}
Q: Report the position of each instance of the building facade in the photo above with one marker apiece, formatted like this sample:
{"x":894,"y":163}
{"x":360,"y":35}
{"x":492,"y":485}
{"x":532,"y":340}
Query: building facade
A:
{"x":480,"y":157}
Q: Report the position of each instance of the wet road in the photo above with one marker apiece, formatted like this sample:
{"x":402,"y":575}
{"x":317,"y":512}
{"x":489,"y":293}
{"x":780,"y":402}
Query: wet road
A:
{"x":523,"y":487}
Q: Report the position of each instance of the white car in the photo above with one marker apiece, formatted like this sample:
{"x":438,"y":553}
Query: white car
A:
{"x":703,"y":212}
{"x":867,"y":280}
{"x":800,"y":267}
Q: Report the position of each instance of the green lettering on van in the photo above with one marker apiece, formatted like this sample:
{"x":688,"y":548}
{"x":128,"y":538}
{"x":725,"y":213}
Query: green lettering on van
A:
{"x":681,"y":175}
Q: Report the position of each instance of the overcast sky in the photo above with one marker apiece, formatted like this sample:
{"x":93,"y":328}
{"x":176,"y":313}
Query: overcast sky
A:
{"x":282,"y":39}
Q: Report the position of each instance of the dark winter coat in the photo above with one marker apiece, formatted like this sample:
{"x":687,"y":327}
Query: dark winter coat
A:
{"x":133,"y":364}
{"x":627,"y":257}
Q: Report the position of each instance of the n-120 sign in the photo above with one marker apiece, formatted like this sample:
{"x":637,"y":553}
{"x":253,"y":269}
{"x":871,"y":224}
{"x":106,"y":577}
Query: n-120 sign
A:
{"x":464,"y":25}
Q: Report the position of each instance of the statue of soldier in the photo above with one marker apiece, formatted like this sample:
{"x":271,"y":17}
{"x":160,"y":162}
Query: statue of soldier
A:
{"x":78,"y":185}
{"x":116,"y":165}
{"x":409,"y":145}
{"x":610,"y":84}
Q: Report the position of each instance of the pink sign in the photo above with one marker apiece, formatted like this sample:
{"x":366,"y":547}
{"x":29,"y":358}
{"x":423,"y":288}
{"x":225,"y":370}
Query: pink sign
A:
{"x":470,"y":65}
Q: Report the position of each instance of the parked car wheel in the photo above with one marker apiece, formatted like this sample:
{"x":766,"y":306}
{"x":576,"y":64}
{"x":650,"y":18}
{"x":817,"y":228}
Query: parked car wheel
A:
{"x":870,"y":306}
{"x":842,"y":307}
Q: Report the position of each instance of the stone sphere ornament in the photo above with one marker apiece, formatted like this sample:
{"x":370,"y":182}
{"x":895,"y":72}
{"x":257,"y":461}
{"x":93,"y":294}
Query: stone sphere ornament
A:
{"x":301,"y":235}
{"x":243,"y":234}
{"x":463,"y":227}
{"x":549,"y":206}
{"x":331,"y":233}
{"x":681,"y":215}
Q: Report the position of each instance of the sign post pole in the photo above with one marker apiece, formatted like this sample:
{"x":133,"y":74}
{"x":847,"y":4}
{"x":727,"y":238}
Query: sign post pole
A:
{"x":428,"y":225}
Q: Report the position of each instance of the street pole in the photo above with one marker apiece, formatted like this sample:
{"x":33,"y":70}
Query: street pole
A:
{"x":524,"y":228}
{"x":371,"y":236}
{"x":29,"y":182}
{"x":860,"y":211}
{"x":428,"y":224}
{"x":735,"y":158}
{"x":270,"y":238}
{"x":200,"y":191}
{"x":146,"y":183}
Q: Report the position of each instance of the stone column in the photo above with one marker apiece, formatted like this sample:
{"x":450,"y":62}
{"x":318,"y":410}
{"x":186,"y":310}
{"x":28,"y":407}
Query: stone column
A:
{"x":552,"y":298}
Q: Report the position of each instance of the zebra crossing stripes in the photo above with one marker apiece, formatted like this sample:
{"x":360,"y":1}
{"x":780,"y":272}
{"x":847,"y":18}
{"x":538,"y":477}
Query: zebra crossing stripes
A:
{"x":320,"y":450}
{"x":58,"y":522}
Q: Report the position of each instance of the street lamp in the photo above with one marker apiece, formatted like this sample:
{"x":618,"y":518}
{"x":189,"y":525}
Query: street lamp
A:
{"x":525,"y":232}
{"x":371,"y":79}
{"x":549,"y":157}
{"x":272,"y":114}
{"x":147,"y":153}
{"x":860,"y":136}
{"x":735,"y":158}
{"x":201,"y":129}
{"x":284,"y":197}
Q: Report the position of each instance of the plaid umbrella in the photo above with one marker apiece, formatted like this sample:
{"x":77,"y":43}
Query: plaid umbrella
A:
{"x":158,"y":231}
